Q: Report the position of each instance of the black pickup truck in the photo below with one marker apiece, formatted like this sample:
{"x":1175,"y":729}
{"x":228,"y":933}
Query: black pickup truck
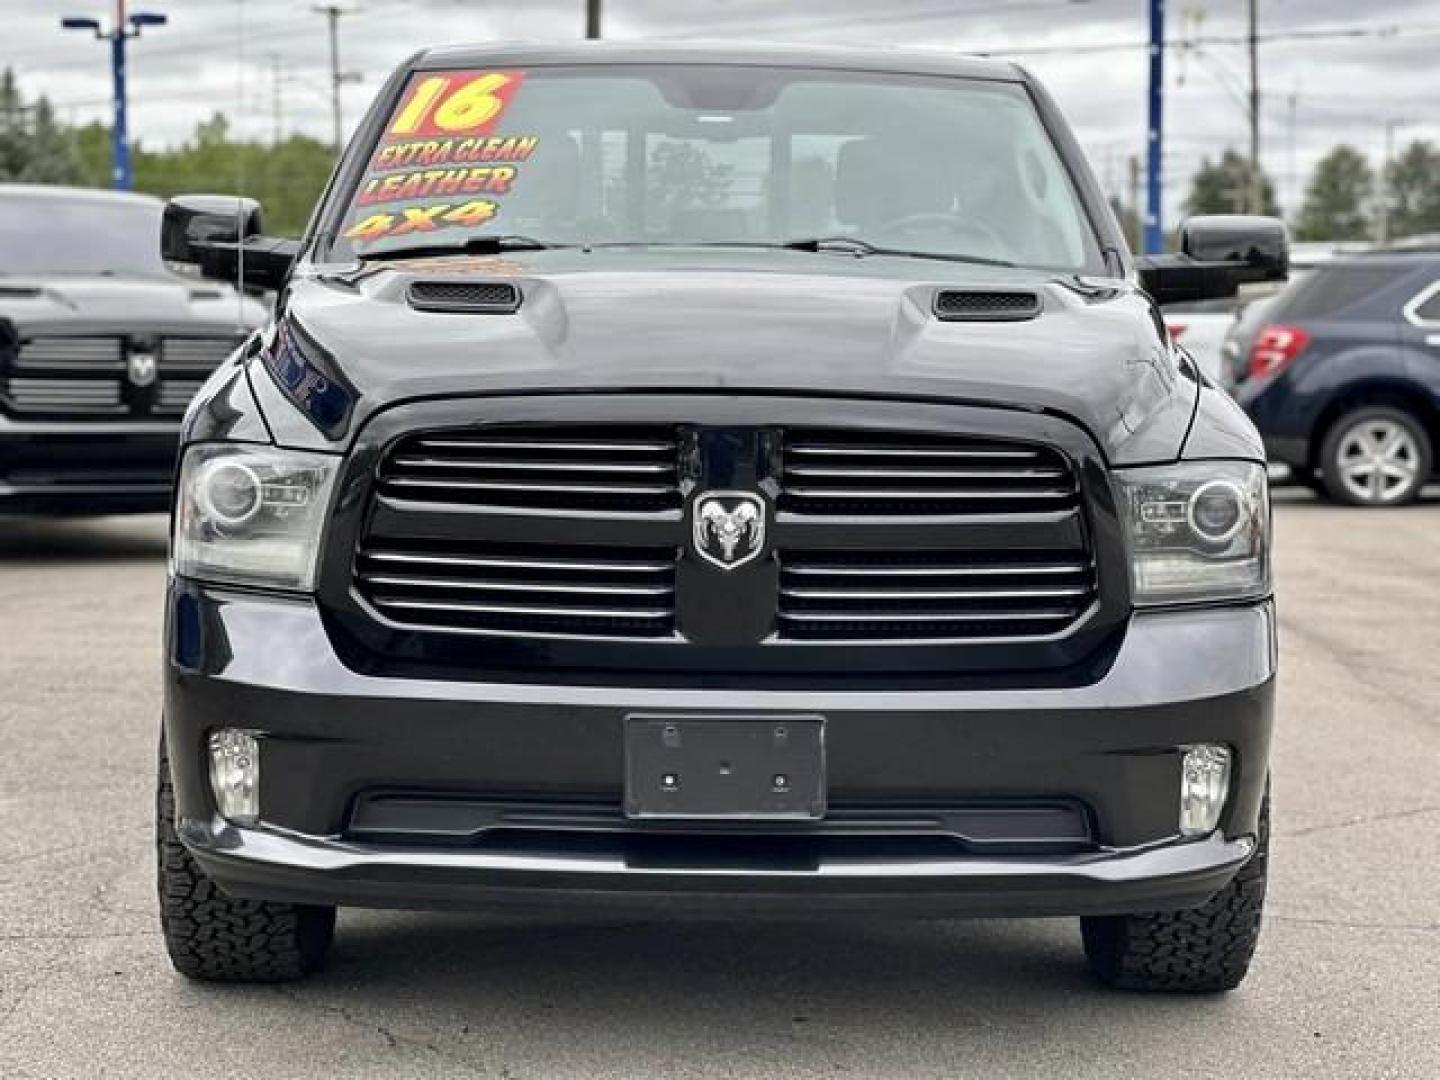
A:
{"x":102,"y":348}
{"x":717,"y":482}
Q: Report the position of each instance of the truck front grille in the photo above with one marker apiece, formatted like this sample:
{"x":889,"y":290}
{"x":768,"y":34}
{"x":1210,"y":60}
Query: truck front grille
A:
{"x":576,"y":542}
{"x":899,"y":474}
{"x":631,"y":469}
{"x":480,"y":588}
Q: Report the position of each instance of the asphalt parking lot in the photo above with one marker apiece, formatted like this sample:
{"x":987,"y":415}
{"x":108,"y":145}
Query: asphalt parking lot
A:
{"x":1347,"y":983}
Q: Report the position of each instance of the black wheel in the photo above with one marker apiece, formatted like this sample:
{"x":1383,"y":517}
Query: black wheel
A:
{"x":1376,"y":455}
{"x":1204,"y":950}
{"x":217,"y":938}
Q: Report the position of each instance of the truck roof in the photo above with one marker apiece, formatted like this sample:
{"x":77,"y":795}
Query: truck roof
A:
{"x":64,"y":193}
{"x":897,"y":61}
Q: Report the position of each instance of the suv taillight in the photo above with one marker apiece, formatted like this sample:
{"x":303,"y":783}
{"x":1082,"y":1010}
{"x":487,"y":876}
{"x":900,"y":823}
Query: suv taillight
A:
{"x":1275,"y":348}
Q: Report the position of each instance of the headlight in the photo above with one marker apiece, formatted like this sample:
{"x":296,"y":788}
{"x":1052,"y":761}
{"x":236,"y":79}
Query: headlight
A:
{"x":1197,"y":531}
{"x":251,"y":515}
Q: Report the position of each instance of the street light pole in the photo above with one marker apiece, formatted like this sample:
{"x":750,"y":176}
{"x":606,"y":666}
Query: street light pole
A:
{"x":124,"y":29}
{"x":1255,"y":197}
{"x":1155,"y":135}
{"x":120,"y":128}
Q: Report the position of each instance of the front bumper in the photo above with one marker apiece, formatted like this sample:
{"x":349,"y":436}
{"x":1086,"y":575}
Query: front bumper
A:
{"x":310,"y":870}
{"x":86,"y":467}
{"x":333,"y":735}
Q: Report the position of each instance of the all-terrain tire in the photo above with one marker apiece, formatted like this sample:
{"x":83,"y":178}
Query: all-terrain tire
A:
{"x":1204,"y":950}
{"x":218,"y":938}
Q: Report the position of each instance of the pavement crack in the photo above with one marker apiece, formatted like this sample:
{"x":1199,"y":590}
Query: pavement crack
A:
{"x":391,"y":1039}
{"x":1350,"y":823}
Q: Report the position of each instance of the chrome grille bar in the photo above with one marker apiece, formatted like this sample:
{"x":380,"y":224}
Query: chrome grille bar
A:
{"x":624,"y":468}
{"x":850,"y":473}
{"x":507,"y":589}
{"x":62,"y":353}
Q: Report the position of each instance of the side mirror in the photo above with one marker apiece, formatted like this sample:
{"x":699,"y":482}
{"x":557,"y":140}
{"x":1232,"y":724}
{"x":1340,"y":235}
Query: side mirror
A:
{"x":221,"y":234}
{"x":1218,"y":254}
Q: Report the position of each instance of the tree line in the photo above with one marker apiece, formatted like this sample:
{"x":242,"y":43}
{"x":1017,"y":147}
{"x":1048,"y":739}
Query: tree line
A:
{"x":287,"y":176}
{"x":1346,"y":198}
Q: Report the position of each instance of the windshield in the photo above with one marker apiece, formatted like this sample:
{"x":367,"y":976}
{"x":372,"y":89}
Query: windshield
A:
{"x":713,"y":154}
{"x":48,"y":234}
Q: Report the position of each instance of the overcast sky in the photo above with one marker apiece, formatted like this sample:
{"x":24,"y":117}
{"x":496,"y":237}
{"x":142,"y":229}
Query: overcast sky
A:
{"x":225,"y":55}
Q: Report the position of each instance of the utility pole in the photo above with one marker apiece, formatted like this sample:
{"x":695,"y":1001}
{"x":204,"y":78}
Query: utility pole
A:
{"x":1296,"y":185}
{"x":1256,"y":197}
{"x":124,"y":29}
{"x":1382,"y":212}
{"x":338,"y":78}
{"x":277,"y":100}
{"x":592,"y":20}
{"x":1135,"y":230}
{"x":1155,"y":135}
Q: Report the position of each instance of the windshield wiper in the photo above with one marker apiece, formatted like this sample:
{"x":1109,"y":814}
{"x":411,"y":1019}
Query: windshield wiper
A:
{"x":855,"y":246}
{"x":475,"y":245}
{"x":849,"y":244}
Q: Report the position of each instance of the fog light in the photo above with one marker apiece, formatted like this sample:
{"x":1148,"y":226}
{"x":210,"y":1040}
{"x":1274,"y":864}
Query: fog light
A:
{"x":1204,"y":783}
{"x":235,"y":775}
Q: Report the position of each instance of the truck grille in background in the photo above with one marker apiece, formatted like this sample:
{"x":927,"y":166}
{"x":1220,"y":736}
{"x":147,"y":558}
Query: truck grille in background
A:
{"x":175,"y":395}
{"x":932,"y":594}
{"x":87,"y":354}
{"x":533,"y":589}
{"x":86,"y":377}
{"x":194,"y":355}
{"x":78,"y":396}
{"x":895,"y":474}
{"x":626,"y":469}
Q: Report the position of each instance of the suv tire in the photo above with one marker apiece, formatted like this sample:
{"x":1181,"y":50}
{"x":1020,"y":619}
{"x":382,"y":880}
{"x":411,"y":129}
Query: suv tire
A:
{"x":1357,"y":439}
{"x":1204,"y":950}
{"x":218,"y":938}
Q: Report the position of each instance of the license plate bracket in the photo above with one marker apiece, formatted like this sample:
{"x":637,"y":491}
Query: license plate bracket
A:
{"x":735,"y":768}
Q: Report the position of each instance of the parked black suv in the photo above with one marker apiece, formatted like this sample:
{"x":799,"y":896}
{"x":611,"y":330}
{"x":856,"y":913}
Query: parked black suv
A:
{"x":718,"y":482}
{"x":1344,"y":377}
{"x":101,"y":350}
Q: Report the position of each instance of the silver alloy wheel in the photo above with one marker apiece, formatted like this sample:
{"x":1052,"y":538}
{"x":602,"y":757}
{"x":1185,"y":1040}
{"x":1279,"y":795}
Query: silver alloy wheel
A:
{"x":1378,"y":461}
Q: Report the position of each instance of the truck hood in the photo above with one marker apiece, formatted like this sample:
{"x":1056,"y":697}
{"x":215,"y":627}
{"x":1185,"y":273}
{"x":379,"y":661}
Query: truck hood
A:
{"x":119,"y":303}
{"x":726,"y":321}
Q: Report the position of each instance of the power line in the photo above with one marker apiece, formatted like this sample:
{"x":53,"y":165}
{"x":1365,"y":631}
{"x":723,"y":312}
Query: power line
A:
{"x":821,"y":22}
{"x":1274,"y":37}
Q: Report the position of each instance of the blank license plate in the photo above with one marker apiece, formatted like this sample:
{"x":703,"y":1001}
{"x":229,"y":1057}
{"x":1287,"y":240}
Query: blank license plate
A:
{"x":742,"y":768}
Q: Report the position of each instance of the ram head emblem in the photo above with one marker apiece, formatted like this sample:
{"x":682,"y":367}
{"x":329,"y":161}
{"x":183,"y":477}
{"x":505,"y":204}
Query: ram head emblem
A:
{"x":729,"y":528}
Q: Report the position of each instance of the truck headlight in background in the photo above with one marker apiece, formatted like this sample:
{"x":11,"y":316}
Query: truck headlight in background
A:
{"x":1197,"y":531}
{"x":251,"y":515}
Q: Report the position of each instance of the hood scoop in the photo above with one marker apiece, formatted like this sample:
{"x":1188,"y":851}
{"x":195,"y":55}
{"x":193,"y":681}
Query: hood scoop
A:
{"x":987,"y":305}
{"x":465,"y":297}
